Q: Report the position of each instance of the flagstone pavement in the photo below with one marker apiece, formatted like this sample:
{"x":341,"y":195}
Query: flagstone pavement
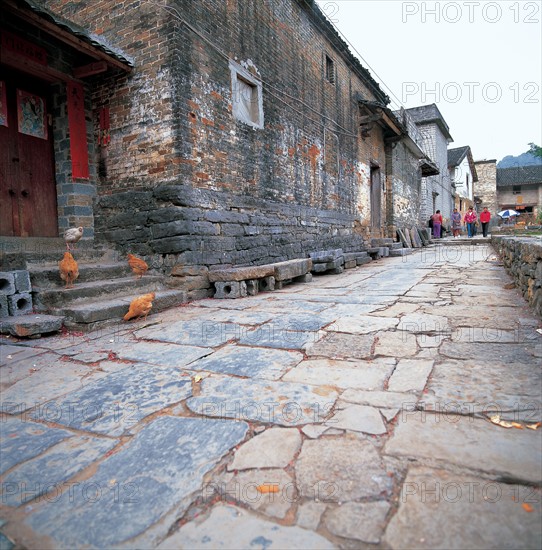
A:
{"x":392,"y":406}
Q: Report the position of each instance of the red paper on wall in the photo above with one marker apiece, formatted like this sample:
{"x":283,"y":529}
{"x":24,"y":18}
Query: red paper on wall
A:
{"x":78,"y":130}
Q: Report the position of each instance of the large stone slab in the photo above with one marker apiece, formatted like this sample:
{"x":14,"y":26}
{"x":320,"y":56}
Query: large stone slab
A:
{"x":161,"y":466}
{"x":503,"y":354}
{"x":362,"y":324}
{"x":292,"y":268}
{"x":241,"y":273}
{"x":368,"y":375}
{"x":416,"y":322}
{"x":229,"y":527}
{"x":380,"y":399}
{"x":469,"y":442}
{"x":410,"y":375}
{"x":49,"y":379}
{"x":395,"y":344}
{"x":273,"y":448}
{"x":325,"y":256}
{"x":22,"y":440}
{"x":269,"y":364}
{"x":114,"y":404}
{"x":271,"y":336}
{"x":282,"y":403}
{"x":488,"y":387}
{"x":204,"y":333}
{"x":341,"y":470}
{"x":357,"y":418}
{"x":24,"y":326}
{"x":160,"y":354}
{"x":440,"y":509}
{"x":48,"y":472}
{"x":360,"y":521}
{"x":336,"y":345}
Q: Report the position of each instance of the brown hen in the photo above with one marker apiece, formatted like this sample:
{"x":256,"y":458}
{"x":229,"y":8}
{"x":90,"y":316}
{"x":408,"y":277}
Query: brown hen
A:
{"x":140,"y":306}
{"x":69,"y":270}
{"x":139,"y":267}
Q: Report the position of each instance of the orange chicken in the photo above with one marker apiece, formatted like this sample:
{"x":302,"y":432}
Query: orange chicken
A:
{"x":140,"y":306}
{"x":69,"y":270}
{"x":139,"y":267}
{"x":72,"y":235}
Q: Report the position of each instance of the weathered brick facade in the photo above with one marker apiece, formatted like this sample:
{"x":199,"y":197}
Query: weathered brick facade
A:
{"x":183,"y":180}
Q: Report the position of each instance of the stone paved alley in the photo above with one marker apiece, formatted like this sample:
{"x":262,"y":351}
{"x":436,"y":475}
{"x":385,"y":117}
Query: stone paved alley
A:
{"x":350,"y":412}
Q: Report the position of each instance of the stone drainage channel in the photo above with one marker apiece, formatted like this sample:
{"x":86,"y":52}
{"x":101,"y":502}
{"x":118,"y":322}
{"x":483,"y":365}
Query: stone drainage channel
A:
{"x":393,"y":406}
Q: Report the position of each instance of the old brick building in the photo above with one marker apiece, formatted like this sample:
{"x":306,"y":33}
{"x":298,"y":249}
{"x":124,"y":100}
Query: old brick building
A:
{"x":210,"y":132}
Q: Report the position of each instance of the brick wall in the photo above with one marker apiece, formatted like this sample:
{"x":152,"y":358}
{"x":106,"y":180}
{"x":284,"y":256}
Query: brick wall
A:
{"x":183,"y":180}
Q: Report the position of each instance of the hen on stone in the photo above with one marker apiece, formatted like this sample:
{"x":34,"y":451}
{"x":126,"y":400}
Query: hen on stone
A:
{"x":139,"y":266}
{"x":72,"y":236}
{"x":69,"y":270}
{"x":140,"y":306}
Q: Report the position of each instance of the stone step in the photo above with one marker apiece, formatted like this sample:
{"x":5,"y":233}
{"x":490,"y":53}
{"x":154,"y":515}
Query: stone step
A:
{"x":60,"y":296}
{"x":30,"y":326}
{"x":46,"y":275}
{"x":401,"y":251}
{"x":95,"y":314}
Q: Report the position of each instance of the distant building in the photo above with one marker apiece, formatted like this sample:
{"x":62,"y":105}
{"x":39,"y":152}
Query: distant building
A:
{"x":520,"y":188}
{"x":485,"y":193}
{"x":463,"y":176}
{"x":436,"y":190}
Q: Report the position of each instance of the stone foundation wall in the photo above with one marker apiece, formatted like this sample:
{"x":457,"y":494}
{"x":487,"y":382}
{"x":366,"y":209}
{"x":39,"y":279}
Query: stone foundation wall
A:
{"x":522,"y":258}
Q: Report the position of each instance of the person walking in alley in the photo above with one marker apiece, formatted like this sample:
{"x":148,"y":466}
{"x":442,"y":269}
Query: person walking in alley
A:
{"x":470,"y":219}
{"x":456,"y":222}
{"x":437,"y":224}
{"x":485,"y":216}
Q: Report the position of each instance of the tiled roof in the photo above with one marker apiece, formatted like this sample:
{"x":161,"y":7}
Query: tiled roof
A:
{"x":456,"y":156}
{"x":519,"y":175}
{"x":430,"y":113}
{"x":90,"y":38}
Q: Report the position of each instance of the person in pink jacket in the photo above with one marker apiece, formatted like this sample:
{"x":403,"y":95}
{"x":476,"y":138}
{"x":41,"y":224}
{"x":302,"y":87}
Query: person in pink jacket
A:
{"x":437,"y":224}
{"x":470,"y":219}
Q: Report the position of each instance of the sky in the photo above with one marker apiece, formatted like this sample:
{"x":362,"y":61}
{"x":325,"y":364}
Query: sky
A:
{"x":479,"y":61}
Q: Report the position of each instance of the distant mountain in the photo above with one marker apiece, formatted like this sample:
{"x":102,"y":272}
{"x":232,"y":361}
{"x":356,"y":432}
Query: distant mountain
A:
{"x":525,"y":159}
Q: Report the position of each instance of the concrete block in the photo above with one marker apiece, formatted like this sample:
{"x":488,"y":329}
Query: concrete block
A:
{"x":267,"y":283}
{"x":230,"y":289}
{"x":4,"y":310}
{"x":253,"y":287}
{"x":22,"y":281}
{"x":307,"y":278}
{"x":20,"y":303}
{"x":7,"y":283}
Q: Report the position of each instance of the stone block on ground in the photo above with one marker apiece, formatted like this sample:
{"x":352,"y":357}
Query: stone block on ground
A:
{"x":350,"y":264}
{"x":20,"y":303}
{"x":384,"y":251}
{"x":22,"y":280}
{"x":374,"y":253}
{"x":400,"y":252}
{"x":7,"y":283}
{"x":361,"y":521}
{"x":381,"y":242}
{"x":230,"y":289}
{"x":267,"y":283}
{"x":291,"y":269}
{"x":253,"y":287}
{"x":4,"y":309}
{"x":241,"y":273}
{"x":307,"y":278}
{"x":364,"y":260}
{"x":31,"y":325}
{"x":325,"y":256}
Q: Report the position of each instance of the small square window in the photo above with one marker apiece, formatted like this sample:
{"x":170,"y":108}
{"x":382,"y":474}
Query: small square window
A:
{"x":247,"y":96}
{"x":516,"y":189}
{"x":330,"y":70}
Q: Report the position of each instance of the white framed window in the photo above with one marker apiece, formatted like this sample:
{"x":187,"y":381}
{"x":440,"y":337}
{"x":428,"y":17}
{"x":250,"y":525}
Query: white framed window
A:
{"x":247,"y":96}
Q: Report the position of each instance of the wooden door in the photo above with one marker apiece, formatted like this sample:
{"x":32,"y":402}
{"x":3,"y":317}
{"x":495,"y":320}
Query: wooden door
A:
{"x":28,"y":205}
{"x":376,"y":198}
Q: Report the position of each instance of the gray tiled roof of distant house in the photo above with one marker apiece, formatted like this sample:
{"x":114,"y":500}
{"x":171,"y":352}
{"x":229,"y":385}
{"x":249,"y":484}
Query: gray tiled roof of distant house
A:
{"x":456,"y":156}
{"x":430,"y":113}
{"x":519,"y":175}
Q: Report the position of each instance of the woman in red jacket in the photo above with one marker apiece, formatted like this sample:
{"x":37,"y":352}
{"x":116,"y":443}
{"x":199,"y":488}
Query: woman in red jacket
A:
{"x":470,"y":220}
{"x":485,"y":216}
{"x":437,"y":223}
